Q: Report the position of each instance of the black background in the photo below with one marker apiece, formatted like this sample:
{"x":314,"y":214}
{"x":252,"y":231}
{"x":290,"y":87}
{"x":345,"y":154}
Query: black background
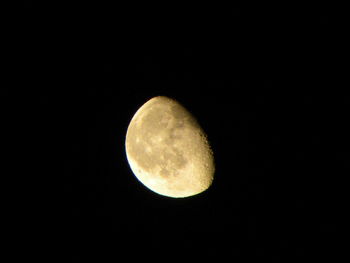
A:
{"x":259,"y":80}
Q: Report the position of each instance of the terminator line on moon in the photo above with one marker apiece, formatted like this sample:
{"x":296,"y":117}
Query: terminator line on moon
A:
{"x":167,"y":149}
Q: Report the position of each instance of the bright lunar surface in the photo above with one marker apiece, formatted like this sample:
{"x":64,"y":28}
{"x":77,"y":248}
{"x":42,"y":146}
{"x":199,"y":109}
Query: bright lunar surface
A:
{"x":167,"y":149}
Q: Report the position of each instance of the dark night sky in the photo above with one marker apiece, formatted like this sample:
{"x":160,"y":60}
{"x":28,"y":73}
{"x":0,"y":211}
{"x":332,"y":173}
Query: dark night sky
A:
{"x":258,"y":80}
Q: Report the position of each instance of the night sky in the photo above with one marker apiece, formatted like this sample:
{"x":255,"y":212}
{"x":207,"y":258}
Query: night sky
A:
{"x":260,"y":82}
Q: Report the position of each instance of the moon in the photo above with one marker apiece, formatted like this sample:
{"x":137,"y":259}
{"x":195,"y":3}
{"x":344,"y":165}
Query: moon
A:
{"x":168,"y":151}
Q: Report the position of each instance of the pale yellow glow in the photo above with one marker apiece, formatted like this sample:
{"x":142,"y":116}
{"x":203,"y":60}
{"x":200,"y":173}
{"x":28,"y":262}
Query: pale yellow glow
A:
{"x":168,"y":151}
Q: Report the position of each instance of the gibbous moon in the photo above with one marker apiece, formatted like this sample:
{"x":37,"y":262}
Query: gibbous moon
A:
{"x":168,"y":151}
